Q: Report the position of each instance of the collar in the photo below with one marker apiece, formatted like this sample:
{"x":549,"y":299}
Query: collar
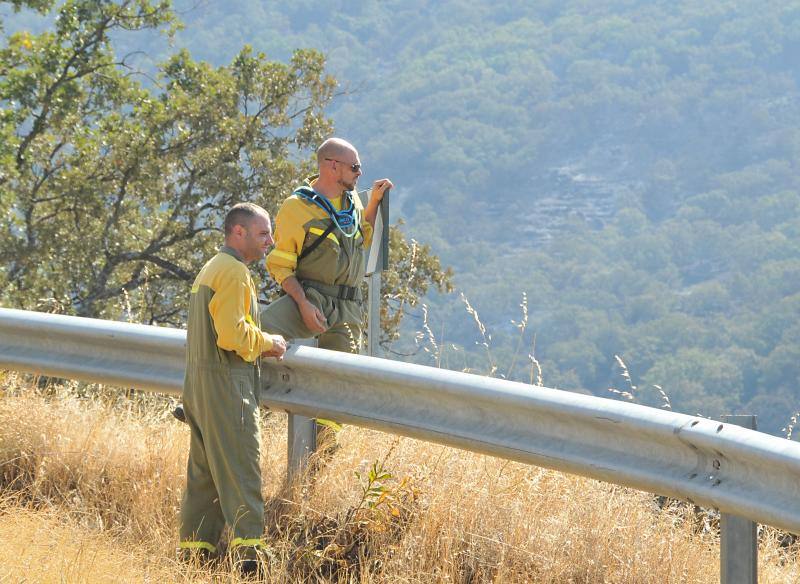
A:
{"x":231,"y":252}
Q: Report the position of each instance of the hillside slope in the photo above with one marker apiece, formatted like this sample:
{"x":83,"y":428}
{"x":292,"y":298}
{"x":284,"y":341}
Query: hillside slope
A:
{"x":91,"y":488}
{"x":632,"y":167}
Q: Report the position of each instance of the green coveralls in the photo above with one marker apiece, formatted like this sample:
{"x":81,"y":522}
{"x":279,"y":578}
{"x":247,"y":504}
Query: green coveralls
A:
{"x":223,"y":476}
{"x":331,"y":276}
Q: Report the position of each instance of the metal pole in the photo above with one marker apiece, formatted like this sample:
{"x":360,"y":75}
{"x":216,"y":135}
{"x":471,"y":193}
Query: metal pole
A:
{"x":738,"y":536}
{"x":385,"y":239}
{"x":374,"y":282}
{"x":374,"y":313}
{"x":302,"y":435}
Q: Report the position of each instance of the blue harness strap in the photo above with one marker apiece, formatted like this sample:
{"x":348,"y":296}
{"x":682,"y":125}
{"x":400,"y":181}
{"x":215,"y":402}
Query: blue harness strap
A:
{"x":347,"y":220}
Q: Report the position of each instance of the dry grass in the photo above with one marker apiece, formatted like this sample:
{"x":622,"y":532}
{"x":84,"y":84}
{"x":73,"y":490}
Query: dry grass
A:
{"x":43,"y":546}
{"x":91,"y":488}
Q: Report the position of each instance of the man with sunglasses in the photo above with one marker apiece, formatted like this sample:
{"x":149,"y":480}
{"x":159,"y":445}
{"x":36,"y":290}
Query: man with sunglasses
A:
{"x":322,"y":235}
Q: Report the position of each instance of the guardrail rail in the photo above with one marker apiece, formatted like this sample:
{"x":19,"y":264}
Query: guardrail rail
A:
{"x":714,"y":464}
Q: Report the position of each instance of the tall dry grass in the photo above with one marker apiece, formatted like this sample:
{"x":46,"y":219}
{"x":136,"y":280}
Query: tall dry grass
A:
{"x":91,"y":489}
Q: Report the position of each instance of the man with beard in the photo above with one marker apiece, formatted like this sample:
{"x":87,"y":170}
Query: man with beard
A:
{"x":322,"y":236}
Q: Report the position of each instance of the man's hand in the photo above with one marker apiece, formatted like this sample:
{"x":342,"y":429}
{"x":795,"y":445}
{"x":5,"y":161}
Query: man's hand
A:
{"x":313,"y":317}
{"x":278,"y":347}
{"x":379,"y":188}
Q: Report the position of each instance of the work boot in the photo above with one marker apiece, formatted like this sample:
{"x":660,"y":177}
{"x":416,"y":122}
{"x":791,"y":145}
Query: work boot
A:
{"x":200,"y":558}
{"x":250,"y":561}
{"x":249,"y":569}
{"x":179,"y":414}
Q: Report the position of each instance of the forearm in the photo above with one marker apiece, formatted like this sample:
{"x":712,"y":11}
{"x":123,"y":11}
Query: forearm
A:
{"x":291,"y":285}
{"x":371,"y":211}
{"x":379,"y":189}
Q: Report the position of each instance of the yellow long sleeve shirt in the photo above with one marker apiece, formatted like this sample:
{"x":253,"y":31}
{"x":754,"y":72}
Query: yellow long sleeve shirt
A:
{"x":293,"y":223}
{"x":226,"y":288}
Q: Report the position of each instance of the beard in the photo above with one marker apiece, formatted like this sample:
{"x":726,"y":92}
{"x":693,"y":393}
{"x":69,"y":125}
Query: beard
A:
{"x":348,"y":185}
{"x":255,"y":250}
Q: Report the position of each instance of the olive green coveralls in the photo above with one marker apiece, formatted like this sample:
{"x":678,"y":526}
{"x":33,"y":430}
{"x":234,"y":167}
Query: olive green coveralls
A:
{"x":331,"y":275}
{"x":223,"y":476}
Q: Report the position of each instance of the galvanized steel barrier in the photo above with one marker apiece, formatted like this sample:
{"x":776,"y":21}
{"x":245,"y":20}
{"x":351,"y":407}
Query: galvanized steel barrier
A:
{"x":713,"y":464}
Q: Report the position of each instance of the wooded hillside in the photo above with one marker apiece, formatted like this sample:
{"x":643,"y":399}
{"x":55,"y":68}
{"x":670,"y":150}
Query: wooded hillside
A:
{"x":632,"y":166}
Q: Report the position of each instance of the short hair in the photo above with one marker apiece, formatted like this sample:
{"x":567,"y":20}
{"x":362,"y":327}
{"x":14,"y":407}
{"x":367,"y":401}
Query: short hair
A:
{"x":242,"y":214}
{"x":333,"y":148}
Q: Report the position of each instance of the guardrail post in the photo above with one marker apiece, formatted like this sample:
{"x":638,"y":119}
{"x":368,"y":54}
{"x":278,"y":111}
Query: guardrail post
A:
{"x":302,"y":434}
{"x":738,"y":536}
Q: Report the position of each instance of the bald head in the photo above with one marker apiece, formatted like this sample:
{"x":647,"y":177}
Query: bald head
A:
{"x":339,"y":167}
{"x":335,"y":148}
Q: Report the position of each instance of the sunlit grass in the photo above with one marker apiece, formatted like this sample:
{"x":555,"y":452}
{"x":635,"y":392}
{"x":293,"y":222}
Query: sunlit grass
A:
{"x":91,"y":489}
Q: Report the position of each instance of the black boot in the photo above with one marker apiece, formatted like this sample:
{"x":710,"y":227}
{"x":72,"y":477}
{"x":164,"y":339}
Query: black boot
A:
{"x":201,"y":558}
{"x":179,"y":414}
{"x":249,"y":568}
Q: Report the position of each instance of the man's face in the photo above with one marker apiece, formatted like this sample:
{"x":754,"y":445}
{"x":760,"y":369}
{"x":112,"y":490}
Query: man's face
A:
{"x":347,"y":177}
{"x":257,"y":238}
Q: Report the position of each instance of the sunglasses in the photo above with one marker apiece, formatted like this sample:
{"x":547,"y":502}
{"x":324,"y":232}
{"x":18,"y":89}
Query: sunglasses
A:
{"x":355,"y":167}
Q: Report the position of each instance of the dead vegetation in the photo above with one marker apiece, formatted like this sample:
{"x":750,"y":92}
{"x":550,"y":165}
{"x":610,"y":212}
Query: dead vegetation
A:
{"x":91,"y":489}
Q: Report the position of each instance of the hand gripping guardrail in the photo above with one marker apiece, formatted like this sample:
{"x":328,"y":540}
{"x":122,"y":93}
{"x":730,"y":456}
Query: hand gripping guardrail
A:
{"x":709,"y":463}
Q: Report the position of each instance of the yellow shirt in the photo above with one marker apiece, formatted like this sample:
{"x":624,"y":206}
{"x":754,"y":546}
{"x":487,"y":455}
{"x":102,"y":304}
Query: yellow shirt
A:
{"x":290,"y":233}
{"x":225,"y":283}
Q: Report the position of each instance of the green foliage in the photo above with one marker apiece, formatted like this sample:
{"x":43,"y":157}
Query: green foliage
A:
{"x":631,"y":166}
{"x":374,"y":492}
{"x":112,"y":193}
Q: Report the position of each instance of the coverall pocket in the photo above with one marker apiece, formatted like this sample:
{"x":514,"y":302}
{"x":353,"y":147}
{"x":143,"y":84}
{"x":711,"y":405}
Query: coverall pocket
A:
{"x":243,"y":383}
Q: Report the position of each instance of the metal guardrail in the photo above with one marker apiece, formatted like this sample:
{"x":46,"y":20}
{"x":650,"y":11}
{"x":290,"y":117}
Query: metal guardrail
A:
{"x":709,"y":463}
